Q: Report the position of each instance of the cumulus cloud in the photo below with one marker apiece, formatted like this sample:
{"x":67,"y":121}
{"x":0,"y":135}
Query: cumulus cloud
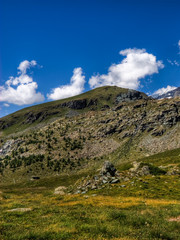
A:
{"x":21,"y":90}
{"x":75,"y":87}
{"x":163,"y":90}
{"x":136,"y":65}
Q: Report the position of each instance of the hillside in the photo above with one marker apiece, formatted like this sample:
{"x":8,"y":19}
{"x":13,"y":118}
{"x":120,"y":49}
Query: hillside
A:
{"x":99,"y":98}
{"x":81,"y":132}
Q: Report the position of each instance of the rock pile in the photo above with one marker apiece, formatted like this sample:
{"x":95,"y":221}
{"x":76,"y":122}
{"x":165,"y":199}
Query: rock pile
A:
{"x":108,"y":174}
{"x":139,"y":170}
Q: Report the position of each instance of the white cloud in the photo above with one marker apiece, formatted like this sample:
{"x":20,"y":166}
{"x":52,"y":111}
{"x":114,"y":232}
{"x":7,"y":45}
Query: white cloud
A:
{"x":179,"y":46}
{"x":163,"y":90}
{"x":6,"y":104}
{"x":75,"y":87}
{"x":21,"y":90}
{"x":136,"y":65}
{"x":23,"y":66}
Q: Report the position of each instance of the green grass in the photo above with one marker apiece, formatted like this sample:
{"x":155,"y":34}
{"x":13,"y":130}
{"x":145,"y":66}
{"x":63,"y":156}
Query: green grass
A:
{"x":109,"y":216}
{"x":143,"y":208}
{"x":164,"y":158}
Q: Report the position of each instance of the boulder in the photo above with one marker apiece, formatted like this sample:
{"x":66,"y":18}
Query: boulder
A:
{"x":108,"y":169}
{"x":144,"y":171}
{"x":116,"y":180}
{"x":135,"y":167}
{"x":60,"y":190}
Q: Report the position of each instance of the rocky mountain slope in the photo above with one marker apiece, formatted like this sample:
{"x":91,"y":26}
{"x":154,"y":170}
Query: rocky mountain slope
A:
{"x":99,"y":98}
{"x":80,"y":133}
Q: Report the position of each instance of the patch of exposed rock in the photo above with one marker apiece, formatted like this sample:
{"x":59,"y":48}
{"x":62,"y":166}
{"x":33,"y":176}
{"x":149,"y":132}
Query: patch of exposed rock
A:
{"x":131,"y":95}
{"x":79,"y":104}
{"x":173,"y":171}
{"x":20,"y":210}
{"x":61,"y":190}
{"x":8,"y":146}
{"x":139,"y":170}
{"x":109,"y":175}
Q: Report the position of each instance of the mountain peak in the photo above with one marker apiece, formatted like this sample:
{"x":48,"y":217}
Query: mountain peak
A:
{"x":170,"y":94}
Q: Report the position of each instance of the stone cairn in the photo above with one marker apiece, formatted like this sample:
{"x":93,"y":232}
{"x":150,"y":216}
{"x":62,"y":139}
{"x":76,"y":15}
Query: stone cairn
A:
{"x":108,"y":174}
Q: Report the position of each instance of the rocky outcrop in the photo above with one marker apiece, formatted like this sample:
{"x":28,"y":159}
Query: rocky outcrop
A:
{"x":6,"y":124}
{"x":140,"y":117}
{"x":79,"y":104}
{"x":131,"y":95}
{"x":32,"y":117}
{"x":9,"y":146}
{"x":75,"y":104}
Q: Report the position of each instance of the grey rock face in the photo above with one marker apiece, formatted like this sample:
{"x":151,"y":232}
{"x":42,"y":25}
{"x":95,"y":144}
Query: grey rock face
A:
{"x":79,"y":104}
{"x":6,"y":147}
{"x":75,"y":104}
{"x":9,"y":146}
{"x":131,"y":95}
{"x":108,"y":168}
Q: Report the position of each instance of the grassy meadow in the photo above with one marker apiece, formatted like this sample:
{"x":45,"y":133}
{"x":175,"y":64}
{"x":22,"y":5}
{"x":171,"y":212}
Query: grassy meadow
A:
{"x":145,"y":208}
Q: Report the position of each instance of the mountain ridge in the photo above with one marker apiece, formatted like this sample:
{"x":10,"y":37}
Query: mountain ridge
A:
{"x":103,"y":97}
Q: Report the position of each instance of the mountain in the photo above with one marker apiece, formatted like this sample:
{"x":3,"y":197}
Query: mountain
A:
{"x":79,"y":133}
{"x":171,"y":94}
{"x":99,"y":98}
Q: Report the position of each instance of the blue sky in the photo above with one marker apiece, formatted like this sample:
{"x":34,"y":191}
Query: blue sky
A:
{"x":55,"y":49}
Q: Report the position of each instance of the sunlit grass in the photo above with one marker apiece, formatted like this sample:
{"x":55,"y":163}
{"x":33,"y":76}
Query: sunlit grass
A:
{"x":87,"y":217}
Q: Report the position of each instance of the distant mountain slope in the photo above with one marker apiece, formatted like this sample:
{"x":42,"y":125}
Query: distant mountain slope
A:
{"x":170,"y":94}
{"x":99,"y":98}
{"x":78,"y":134}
